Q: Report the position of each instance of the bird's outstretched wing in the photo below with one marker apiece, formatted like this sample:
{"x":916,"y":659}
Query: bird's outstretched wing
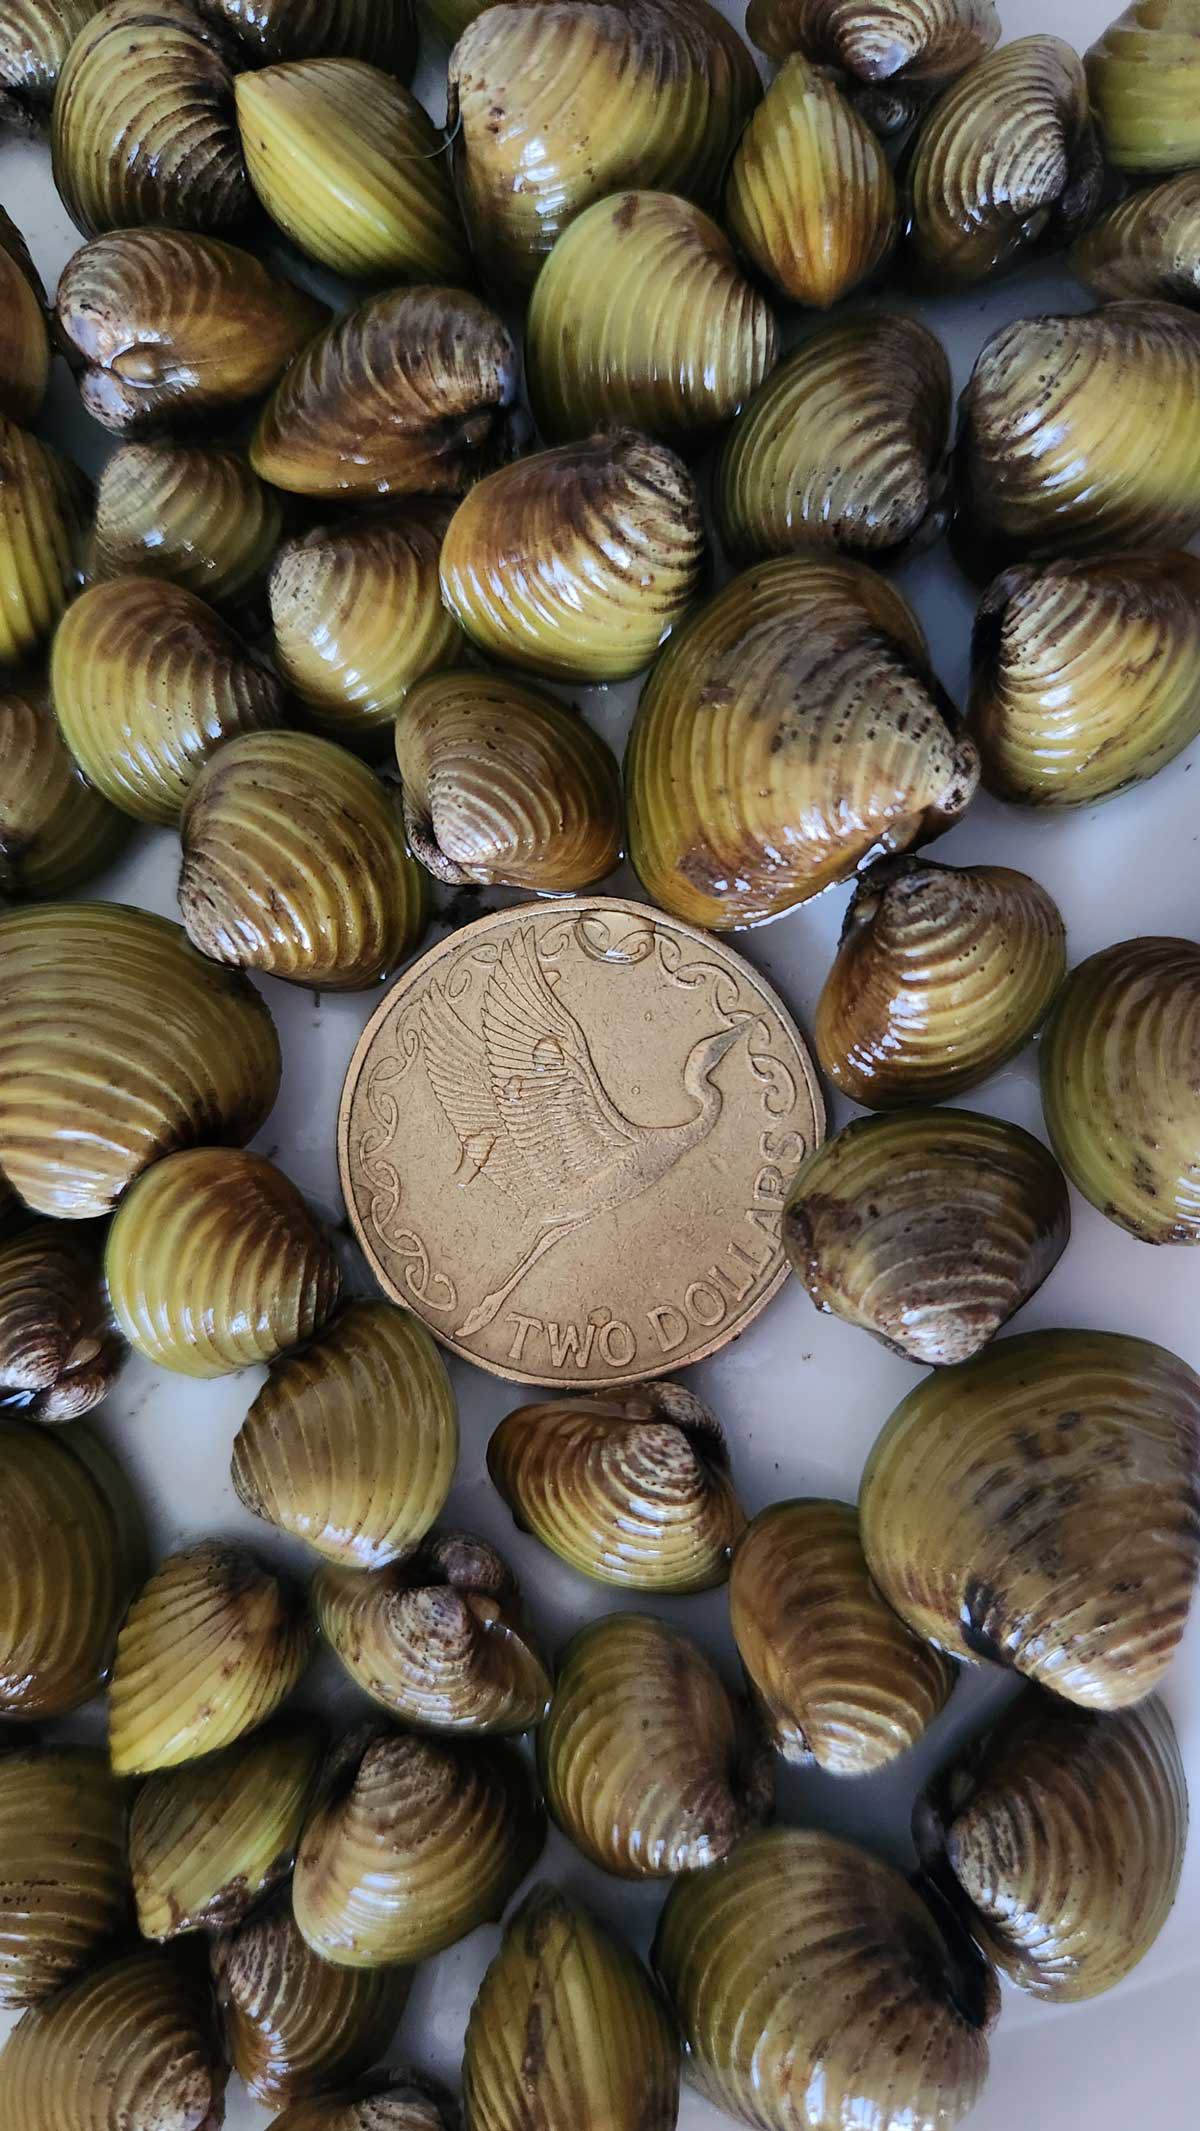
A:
{"x":457,"y":1065}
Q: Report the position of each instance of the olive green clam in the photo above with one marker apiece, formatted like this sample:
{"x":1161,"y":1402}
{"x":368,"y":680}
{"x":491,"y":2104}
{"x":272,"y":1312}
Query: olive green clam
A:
{"x":211,"y":1646}
{"x":55,"y":830}
{"x":380,"y":31}
{"x":1147,"y":245}
{"x":438,"y":1638}
{"x":1144,"y":77}
{"x":294,"y":863}
{"x":176,"y":1051}
{"x":64,"y":1878}
{"x":390,"y":2101}
{"x":295,"y":2025}
{"x":59,"y":1351}
{"x":943,"y":974}
{"x":131,"y":2045}
{"x":893,"y":58}
{"x":192,"y":512}
{"x":44,"y":502}
{"x":814,"y":1988}
{"x":642,"y":317}
{"x":648,"y":1763}
{"x":843,"y":446}
{"x":788,"y":731}
{"x":506,"y":786}
{"x":35,"y":37}
{"x":561,"y":1975}
{"x":416,"y":1842}
{"x":13,"y":245}
{"x":24,"y":340}
{"x":928,"y":1228}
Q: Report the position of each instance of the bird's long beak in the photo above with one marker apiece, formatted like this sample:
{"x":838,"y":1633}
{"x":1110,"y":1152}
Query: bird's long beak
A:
{"x":724,"y":1039}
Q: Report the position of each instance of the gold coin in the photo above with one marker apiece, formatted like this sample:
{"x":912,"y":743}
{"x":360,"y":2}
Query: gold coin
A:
{"x":566,"y":1138}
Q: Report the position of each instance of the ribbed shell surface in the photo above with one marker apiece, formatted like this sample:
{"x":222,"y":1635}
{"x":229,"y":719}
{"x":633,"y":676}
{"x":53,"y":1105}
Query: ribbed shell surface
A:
{"x":1148,"y":245}
{"x":381,"y":31}
{"x":190,"y":512}
{"x":385,"y":2103}
{"x":24,"y":342}
{"x":1144,"y":77}
{"x":129,"y":2048}
{"x":59,"y":1352}
{"x":295,"y":2025}
{"x":64,"y":1878}
{"x":55,"y":831}
{"x":44,"y":501}
{"x":926,"y":42}
{"x":35,"y":37}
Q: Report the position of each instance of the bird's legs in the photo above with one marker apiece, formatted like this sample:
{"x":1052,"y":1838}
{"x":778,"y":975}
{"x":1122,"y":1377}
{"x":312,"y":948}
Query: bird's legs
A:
{"x":551,"y":1232}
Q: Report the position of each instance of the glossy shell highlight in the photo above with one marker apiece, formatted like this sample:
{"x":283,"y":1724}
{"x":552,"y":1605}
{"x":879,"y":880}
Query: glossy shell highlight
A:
{"x":190,"y":512}
{"x":295,"y":2025}
{"x":380,"y":31}
{"x":44,"y":501}
{"x":912,"y":45}
{"x":35,"y":37}
{"x":1144,"y":76}
{"x":64,"y":1876}
{"x":55,"y":831}
{"x":59,"y":1351}
{"x":133,"y":2043}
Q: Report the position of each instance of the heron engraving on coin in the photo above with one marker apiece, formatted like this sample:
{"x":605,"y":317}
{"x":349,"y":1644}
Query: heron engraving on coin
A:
{"x":533,"y":1117}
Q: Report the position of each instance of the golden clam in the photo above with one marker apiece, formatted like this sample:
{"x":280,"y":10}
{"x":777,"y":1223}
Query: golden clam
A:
{"x":44,"y":500}
{"x":64,"y":1879}
{"x":59,"y":1353}
{"x":131,"y":2047}
{"x":942,"y":975}
{"x":35,"y":37}
{"x":928,"y":1228}
{"x":1144,"y":76}
{"x":416,"y":1842}
{"x":55,"y":831}
{"x":641,"y":316}
{"x":13,"y":245}
{"x":894,"y":57}
{"x":295,"y":2025}
{"x":352,"y":1443}
{"x":504,"y":785}
{"x":176,"y":1051}
{"x":1148,"y":245}
{"x":388,"y":2102}
{"x":294,"y":863}
{"x":191,"y":512}
{"x":788,"y":731}
{"x":381,"y":31}
{"x":211,"y":1646}
{"x":631,"y":1487}
{"x":24,"y":340}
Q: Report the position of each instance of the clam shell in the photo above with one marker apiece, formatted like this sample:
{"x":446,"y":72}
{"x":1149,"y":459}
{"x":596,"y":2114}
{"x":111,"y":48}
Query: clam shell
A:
{"x":55,"y":831}
{"x":352,"y":1443}
{"x":787,"y":732}
{"x":561,"y":1976}
{"x":942,"y":975}
{"x":207,"y":1840}
{"x":64,"y":1887}
{"x":504,"y":785}
{"x":353,"y":169}
{"x":381,"y":31}
{"x":414,"y":391}
{"x":437,"y":1638}
{"x":132,"y":2044}
{"x":24,"y":341}
{"x":13,"y":244}
{"x":417,"y":1842}
{"x":388,"y":2102}
{"x":214,"y":1262}
{"x":1036,"y":1507}
{"x":295,"y":2025}
{"x":841,"y":1683}
{"x":810,"y":196}
{"x":1119,"y":1085}
{"x":193,"y":513}
{"x":647,"y":1762}
{"x":59,"y":1353}
{"x":146,"y":681}
{"x":843,"y":447}
{"x":665,"y":334}
{"x":929,"y":1228}
{"x":35,"y":37}
{"x":211,"y":1646}
{"x":176,"y":1050}
{"x":74,"y":1551}
{"x":294,"y":863}
{"x":1148,"y":245}
{"x":591,"y":97}
{"x":167,"y":328}
{"x":1144,"y":77}
{"x":632,"y":1487}
{"x":143,"y":127}
{"x":814,"y":1989}
{"x":917,"y":43}
{"x":44,"y":501}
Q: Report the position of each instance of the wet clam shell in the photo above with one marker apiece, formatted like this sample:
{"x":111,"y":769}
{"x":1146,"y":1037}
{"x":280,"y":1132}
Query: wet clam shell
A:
{"x":44,"y":501}
{"x":1035,"y":1507}
{"x":59,"y":1352}
{"x":214,"y":1262}
{"x":928,"y":1228}
{"x":666,"y":335}
{"x":24,"y":340}
{"x":648,"y":1764}
{"x":64,"y":1878}
{"x":295,"y":2025}
{"x":1144,"y":77}
{"x":132,"y":2044}
{"x":55,"y":831}
{"x":788,"y":731}
{"x":351,"y":1444}
{"x":211,"y":1646}
{"x":631,"y":1487}
{"x":942,"y":975}
{"x":294,"y":863}
{"x":388,"y":2102}
{"x":917,"y":44}
{"x":35,"y":37}
{"x":380,"y":31}
{"x":417,"y":1842}
{"x":437,"y":1638}
{"x":194,"y":513}
{"x":1148,"y":245}
{"x":177,"y":1050}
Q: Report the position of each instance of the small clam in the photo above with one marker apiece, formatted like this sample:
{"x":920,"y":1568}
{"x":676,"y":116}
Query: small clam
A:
{"x":810,"y":196}
{"x":190,"y":512}
{"x":352,"y":1443}
{"x":928,"y":1228}
{"x":942,"y":975}
{"x":561,"y":1976}
{"x":44,"y":501}
{"x":24,"y":340}
{"x":416,"y":1842}
{"x":353,"y":169}
{"x":505,"y":786}
{"x":211,"y":1646}
{"x":59,"y":1353}
{"x":295,"y":2025}
{"x":1036,"y":1507}
{"x":841,"y":1683}
{"x":132,"y":2047}
{"x":1148,"y":245}
{"x":146,"y":681}
{"x":1119,"y":1085}
{"x":207,"y":1840}
{"x":390,"y":2101}
{"x":415,"y":391}
{"x":438,"y":1638}
{"x":648,"y":1763}
{"x":631,"y":1487}
{"x":74,"y":1553}
{"x":214,"y":1262}
{"x":893,"y":57}
{"x":843,"y":447}
{"x":55,"y":831}
{"x":788,"y":731}
{"x":168,"y":328}
{"x":35,"y":37}
{"x":814,"y":1989}
{"x":143,"y":126}
{"x":294,"y":863}
{"x":175,"y":1051}
{"x":64,"y":1879}
{"x":1144,"y":75}
{"x":381,"y":31}
{"x":641,"y":316}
